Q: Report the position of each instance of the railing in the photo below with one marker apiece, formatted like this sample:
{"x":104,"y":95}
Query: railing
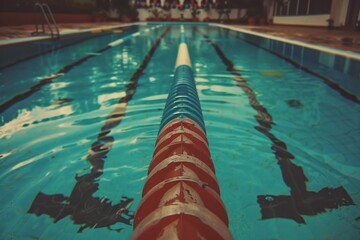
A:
{"x":45,"y":11}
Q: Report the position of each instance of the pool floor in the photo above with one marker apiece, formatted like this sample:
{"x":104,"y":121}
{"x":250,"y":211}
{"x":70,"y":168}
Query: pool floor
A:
{"x":78,"y":147}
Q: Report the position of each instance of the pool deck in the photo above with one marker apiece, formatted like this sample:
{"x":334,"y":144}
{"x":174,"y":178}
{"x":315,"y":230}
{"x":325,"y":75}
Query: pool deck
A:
{"x":343,"y":39}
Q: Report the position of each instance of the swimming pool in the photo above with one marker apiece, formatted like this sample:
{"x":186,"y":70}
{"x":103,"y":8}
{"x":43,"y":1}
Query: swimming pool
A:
{"x":80,"y":122}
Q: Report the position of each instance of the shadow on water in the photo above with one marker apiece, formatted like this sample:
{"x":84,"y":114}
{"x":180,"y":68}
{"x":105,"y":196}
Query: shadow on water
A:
{"x":300,"y":201}
{"x":82,"y":207}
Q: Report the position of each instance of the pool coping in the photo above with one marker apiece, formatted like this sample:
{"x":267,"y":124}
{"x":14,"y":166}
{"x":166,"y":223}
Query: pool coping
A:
{"x":74,"y":32}
{"x":321,"y":48}
{"x":67,"y":33}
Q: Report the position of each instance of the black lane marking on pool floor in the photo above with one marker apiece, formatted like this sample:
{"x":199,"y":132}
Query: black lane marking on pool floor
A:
{"x":326,"y":80}
{"x":81,"y":205}
{"x":47,"y":80}
{"x":301,"y":201}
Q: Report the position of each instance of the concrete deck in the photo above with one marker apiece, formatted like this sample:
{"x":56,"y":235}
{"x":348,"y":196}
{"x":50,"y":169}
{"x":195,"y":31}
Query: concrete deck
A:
{"x":348,"y":40}
{"x":25,"y":31}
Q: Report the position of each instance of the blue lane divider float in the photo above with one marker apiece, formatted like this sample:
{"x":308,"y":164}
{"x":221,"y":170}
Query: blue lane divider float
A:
{"x":183,"y":101}
{"x":181,"y":196}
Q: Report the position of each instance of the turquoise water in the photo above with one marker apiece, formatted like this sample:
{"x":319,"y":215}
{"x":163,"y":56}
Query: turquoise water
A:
{"x":46,"y":138}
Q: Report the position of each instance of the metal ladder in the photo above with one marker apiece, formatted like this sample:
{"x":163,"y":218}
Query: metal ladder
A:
{"x":45,"y":10}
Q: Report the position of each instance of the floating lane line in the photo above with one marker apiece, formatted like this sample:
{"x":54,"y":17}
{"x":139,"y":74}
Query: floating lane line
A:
{"x":103,"y":212}
{"x":181,"y":196}
{"x":183,"y":57}
{"x":301,"y":201}
{"x":120,"y":41}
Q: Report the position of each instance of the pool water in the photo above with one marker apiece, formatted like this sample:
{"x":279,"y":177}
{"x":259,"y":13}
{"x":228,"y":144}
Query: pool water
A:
{"x":277,"y":135}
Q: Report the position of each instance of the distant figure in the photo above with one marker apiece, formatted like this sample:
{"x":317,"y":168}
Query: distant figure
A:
{"x":194,"y":4}
{"x":330,"y":23}
{"x":167,"y":5}
{"x":155,"y":3}
{"x":138,"y":3}
{"x":173,"y":3}
{"x":223,"y":9}
{"x":206,"y":4}
{"x":186,"y":4}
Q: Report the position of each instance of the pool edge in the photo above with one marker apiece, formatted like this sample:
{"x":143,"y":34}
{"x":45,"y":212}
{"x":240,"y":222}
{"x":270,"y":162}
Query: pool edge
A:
{"x":321,"y":48}
{"x":68,"y":33}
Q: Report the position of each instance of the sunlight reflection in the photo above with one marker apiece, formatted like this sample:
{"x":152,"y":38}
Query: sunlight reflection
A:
{"x":36,"y":115}
{"x":104,"y":98}
{"x":58,"y":85}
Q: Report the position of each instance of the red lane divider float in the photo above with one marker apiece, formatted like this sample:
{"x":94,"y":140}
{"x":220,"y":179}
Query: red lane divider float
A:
{"x":181,"y":196}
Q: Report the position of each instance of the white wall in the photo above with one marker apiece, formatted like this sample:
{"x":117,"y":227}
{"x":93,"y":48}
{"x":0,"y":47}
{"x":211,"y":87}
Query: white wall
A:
{"x":309,"y":20}
{"x":339,"y":12}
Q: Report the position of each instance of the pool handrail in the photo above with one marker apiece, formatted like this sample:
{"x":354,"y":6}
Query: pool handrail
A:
{"x":43,"y":8}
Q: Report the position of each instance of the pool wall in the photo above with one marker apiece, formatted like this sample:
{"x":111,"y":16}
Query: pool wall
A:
{"x":14,"y":51}
{"x":340,"y":69}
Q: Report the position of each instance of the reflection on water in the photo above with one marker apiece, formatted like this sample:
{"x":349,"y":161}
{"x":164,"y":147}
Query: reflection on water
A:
{"x":99,"y":122}
{"x":81,"y":205}
{"x":37,"y":115}
{"x":237,"y":148}
{"x":301,"y":201}
{"x":80,"y":92}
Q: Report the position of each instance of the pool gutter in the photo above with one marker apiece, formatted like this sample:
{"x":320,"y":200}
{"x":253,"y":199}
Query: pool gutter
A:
{"x":334,"y":51}
{"x":67,"y":33}
{"x":20,"y":49}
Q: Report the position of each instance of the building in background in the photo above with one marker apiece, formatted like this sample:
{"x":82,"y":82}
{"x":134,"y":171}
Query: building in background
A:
{"x":341,"y":13}
{"x":318,"y":13}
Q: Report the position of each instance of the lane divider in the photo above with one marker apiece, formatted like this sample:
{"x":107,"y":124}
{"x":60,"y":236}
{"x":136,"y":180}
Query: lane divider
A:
{"x":301,"y":201}
{"x":136,"y":34}
{"x":181,"y":196}
{"x":103,"y":212}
